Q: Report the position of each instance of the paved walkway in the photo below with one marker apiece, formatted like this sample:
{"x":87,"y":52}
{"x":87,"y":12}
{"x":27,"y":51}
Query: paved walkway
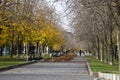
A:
{"x":74,"y":70}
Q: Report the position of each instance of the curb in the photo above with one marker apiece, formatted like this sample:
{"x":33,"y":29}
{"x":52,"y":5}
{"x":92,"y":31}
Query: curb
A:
{"x":16,"y":66}
{"x":89,"y":69}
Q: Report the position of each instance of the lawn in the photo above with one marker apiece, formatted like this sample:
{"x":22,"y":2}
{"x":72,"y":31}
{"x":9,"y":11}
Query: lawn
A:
{"x":10,"y":63}
{"x":98,"y":66}
{"x":7,"y":61}
{"x":7,"y":58}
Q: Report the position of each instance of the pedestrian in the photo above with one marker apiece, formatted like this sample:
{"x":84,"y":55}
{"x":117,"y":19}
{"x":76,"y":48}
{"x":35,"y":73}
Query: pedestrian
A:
{"x":80,"y":52}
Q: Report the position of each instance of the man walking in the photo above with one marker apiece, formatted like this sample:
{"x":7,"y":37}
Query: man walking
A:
{"x":80,"y":52}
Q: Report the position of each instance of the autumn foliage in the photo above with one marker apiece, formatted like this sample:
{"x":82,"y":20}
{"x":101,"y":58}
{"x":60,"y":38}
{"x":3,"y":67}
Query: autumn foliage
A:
{"x":24,"y":22}
{"x":64,"y":58}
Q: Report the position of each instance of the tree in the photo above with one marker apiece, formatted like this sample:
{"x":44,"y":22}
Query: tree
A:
{"x":28,"y":21}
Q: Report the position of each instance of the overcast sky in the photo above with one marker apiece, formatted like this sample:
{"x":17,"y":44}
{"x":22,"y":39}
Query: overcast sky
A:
{"x":60,"y":9}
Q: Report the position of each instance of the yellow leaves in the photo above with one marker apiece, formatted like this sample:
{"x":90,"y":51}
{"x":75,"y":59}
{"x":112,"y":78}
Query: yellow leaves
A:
{"x":14,"y":24}
{"x":40,"y":29}
{"x":3,"y":27}
{"x":48,"y":35}
{"x":44,"y":35}
{"x":3,"y":34}
{"x":1,"y":12}
{"x":42,"y":40}
{"x":56,"y":47}
{"x":53,"y":37}
{"x":3,"y":31}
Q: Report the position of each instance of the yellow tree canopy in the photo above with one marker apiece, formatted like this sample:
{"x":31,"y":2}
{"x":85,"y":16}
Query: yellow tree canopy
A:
{"x":41,"y":29}
{"x":53,"y":37}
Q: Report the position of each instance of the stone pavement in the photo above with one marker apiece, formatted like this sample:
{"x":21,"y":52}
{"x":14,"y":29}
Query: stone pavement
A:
{"x":74,"y":70}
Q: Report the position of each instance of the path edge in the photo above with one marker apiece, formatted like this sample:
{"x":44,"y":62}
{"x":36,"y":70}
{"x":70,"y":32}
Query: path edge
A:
{"x":89,"y":68}
{"x":16,"y":66}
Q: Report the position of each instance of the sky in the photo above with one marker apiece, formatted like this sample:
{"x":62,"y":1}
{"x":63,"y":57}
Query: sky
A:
{"x":60,"y":8}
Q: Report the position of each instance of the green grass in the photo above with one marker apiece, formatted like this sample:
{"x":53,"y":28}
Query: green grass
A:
{"x":10,"y":63}
{"x":7,"y":58}
{"x":98,"y":66}
{"x":46,"y":56}
{"x":6,"y":61}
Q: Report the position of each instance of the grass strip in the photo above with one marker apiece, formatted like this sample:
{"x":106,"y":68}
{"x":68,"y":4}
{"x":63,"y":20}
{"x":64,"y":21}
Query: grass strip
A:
{"x":98,"y":66}
{"x":10,"y":63}
{"x":6,"y":61}
{"x":7,"y":58}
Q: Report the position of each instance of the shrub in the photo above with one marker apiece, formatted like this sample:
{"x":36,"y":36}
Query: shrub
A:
{"x":46,"y":56}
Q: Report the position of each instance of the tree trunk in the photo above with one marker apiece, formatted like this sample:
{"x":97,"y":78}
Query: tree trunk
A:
{"x":118,"y":45}
{"x":37,"y":50}
{"x":111,"y":47}
{"x":98,"y":49}
{"x":1,"y":50}
{"x":27,"y":51}
{"x":18,"y":48}
{"x":12,"y":44}
{"x":105,"y":55}
{"x":103,"y":52}
{"x":11,"y":49}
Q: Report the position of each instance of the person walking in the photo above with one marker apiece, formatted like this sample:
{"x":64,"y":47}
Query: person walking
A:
{"x":80,"y":52}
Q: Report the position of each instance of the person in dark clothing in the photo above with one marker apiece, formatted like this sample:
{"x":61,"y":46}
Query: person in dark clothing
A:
{"x":80,"y":52}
